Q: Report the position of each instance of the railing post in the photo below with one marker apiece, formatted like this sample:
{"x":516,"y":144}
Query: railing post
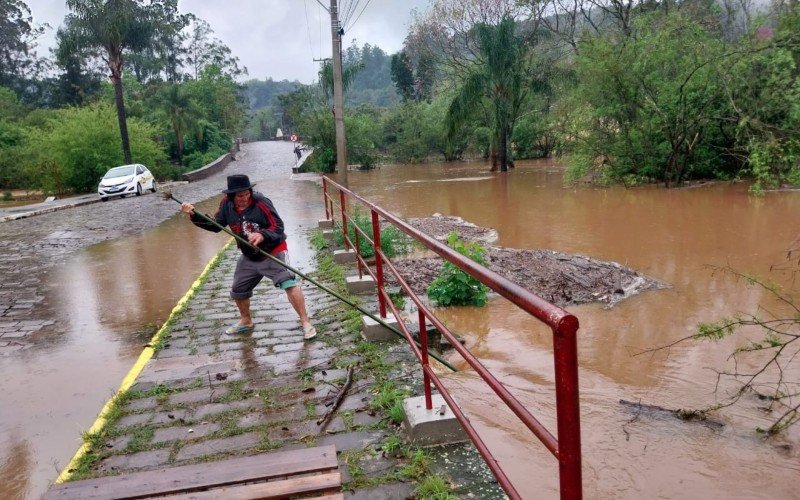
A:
{"x":358,"y":251}
{"x":423,"y":341}
{"x":568,"y":408}
{"x":325,"y":197}
{"x":342,"y":200}
{"x":376,"y":239}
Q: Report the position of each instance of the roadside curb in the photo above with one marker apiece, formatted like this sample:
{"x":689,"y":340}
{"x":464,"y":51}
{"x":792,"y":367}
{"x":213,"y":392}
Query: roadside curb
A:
{"x":24,"y":215}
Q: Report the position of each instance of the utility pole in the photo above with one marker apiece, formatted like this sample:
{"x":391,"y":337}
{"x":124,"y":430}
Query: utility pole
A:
{"x":338,"y":96}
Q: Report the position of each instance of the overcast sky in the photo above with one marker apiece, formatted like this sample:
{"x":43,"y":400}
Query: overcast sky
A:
{"x":277,"y":38}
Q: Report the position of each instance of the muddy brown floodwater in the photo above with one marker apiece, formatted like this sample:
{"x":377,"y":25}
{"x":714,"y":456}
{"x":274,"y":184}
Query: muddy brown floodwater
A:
{"x":674,"y":236}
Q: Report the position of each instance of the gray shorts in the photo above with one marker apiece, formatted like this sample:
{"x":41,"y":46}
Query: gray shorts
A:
{"x":249,"y":273}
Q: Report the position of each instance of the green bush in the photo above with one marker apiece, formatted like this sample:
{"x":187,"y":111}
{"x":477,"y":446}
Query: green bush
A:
{"x":78,"y":145}
{"x":454,"y":287}
{"x":393,"y":241}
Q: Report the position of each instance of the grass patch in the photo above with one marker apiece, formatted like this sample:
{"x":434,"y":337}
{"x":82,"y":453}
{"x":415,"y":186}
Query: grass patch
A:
{"x":265,"y":444}
{"x":434,"y":487}
{"x":236,"y":392}
{"x":140,"y":440}
{"x":311,"y":410}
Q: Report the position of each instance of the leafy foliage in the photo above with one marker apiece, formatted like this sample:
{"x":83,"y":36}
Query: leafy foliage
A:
{"x":393,"y":241}
{"x":454,"y":287}
{"x":647,"y":102}
{"x":18,"y":61}
{"x":495,"y":85}
{"x":78,"y":145}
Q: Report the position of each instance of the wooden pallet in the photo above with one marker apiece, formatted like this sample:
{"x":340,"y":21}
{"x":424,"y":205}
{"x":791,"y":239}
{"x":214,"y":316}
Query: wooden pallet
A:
{"x":283,"y":474}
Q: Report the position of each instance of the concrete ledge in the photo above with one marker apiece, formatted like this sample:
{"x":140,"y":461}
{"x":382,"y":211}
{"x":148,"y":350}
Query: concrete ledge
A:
{"x":330,"y":234}
{"x":430,"y":427}
{"x":325,"y":223}
{"x":212,"y":168}
{"x":344,"y":256}
{"x":372,"y":331}
{"x":356,"y":285}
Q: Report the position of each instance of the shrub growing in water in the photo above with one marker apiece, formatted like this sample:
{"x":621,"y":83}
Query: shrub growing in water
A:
{"x":454,"y":287}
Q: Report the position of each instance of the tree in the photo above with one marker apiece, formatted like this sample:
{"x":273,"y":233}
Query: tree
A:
{"x":495,"y":83}
{"x":182,"y":111}
{"x":762,"y":85}
{"x":112,"y":27}
{"x":79,"y":80}
{"x":76,"y":146}
{"x":164,"y":56}
{"x":18,"y":60}
{"x":293,"y":107}
{"x":402,"y":76}
{"x":446,"y":34}
{"x":220,"y":98}
{"x":204,"y":50}
{"x":646,"y":105}
{"x":348,"y":75}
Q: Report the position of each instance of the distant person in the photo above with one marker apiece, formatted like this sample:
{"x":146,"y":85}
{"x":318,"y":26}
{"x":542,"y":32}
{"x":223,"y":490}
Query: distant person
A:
{"x":252,"y":216}
{"x":298,"y":151}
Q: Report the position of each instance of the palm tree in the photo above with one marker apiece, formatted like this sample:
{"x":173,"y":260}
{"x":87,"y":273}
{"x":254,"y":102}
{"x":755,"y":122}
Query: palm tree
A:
{"x":183,"y":112}
{"x":326,"y":76}
{"x":112,"y":27}
{"x":496,"y":84}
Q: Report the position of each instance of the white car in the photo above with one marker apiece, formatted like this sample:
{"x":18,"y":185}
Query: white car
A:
{"x":124,"y":180}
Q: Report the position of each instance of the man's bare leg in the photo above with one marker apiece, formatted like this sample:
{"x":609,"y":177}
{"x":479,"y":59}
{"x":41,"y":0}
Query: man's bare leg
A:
{"x":244,"y":311}
{"x":298,"y":301}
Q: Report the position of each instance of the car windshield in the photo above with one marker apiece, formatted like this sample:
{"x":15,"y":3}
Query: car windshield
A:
{"x":119,"y":172}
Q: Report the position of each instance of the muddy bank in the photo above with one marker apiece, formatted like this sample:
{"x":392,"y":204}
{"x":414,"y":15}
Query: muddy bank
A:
{"x":563,"y":279}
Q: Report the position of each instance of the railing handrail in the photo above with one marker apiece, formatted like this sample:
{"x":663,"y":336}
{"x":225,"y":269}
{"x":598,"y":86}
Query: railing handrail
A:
{"x":564,"y":325}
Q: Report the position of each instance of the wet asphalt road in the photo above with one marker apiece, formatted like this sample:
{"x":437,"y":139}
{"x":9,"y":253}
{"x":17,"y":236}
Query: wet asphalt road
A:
{"x":30,"y":246}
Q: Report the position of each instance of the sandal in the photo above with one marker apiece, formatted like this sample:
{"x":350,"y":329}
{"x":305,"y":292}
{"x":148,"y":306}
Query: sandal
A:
{"x":239,"y":329}
{"x":309,"y":333}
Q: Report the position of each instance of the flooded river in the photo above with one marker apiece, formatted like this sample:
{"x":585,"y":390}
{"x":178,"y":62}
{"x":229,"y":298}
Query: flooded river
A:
{"x":676,"y":236}
{"x":111,"y":296}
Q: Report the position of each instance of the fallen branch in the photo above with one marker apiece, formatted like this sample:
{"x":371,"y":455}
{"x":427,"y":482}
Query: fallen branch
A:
{"x":685,"y":415}
{"x":339,"y":398}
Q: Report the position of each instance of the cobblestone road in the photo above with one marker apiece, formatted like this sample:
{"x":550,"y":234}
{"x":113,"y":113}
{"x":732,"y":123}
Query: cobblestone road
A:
{"x":30,"y":246}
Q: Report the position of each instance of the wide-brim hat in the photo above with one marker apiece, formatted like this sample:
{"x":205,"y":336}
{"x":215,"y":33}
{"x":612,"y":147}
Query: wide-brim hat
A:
{"x":237,"y":183}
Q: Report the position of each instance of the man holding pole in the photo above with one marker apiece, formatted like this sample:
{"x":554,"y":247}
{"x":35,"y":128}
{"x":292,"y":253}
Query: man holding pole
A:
{"x":253,"y":217}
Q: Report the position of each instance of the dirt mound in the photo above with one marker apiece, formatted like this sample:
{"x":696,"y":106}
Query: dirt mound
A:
{"x":440,"y":226}
{"x":560,"y":278}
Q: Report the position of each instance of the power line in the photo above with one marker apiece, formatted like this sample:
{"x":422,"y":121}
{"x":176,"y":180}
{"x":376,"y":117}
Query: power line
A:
{"x":351,"y":7}
{"x":308,"y":30}
{"x":359,"y":14}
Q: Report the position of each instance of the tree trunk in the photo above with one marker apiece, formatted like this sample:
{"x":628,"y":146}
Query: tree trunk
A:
{"x":503,"y":151}
{"x":115,"y":64}
{"x":179,"y":141}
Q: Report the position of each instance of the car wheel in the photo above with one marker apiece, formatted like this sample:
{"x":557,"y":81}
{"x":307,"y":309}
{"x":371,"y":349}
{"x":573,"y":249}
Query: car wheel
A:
{"x":153,"y":187}
{"x":138,"y":190}
{"x":104,"y":198}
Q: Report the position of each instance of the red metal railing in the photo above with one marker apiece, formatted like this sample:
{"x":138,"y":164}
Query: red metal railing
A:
{"x":567,"y":447}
